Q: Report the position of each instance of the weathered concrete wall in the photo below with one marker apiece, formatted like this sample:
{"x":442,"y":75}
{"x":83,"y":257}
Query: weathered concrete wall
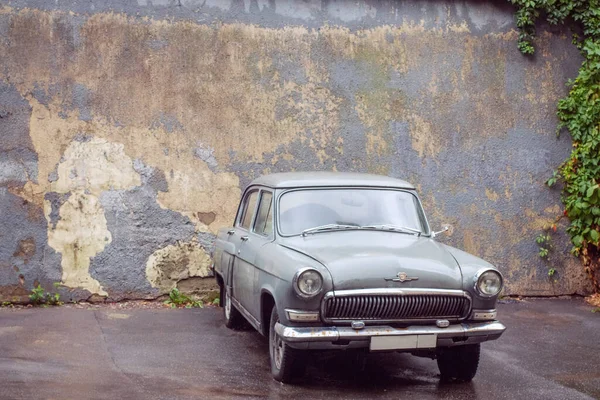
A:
{"x":128,"y":130}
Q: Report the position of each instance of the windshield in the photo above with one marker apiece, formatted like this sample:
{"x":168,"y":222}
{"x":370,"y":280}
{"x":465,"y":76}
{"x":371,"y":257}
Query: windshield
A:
{"x":300,"y":210}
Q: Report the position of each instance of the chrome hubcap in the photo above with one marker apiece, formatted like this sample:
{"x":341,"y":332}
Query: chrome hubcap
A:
{"x":277,"y":349}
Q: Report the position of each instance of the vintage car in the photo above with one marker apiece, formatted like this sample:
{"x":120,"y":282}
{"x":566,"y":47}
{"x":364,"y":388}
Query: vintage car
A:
{"x":325,"y":260}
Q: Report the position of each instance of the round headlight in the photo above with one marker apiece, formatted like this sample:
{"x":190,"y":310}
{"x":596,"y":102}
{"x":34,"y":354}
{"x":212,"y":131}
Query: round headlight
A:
{"x":308,"y":282}
{"x":489,"y":283}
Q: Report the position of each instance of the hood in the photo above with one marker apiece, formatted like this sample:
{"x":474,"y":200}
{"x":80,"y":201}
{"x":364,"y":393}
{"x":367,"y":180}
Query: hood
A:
{"x":372,"y":259}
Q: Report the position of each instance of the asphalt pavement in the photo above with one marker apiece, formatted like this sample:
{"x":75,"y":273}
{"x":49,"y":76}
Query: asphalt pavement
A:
{"x":550,"y":350}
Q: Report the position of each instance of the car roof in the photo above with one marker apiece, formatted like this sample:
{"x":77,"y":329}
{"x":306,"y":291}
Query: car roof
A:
{"x":325,"y":179}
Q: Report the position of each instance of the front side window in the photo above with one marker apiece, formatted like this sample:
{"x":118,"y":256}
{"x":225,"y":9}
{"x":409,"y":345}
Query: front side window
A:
{"x":305,"y":209}
{"x":263,"y":225}
{"x":248,"y":211}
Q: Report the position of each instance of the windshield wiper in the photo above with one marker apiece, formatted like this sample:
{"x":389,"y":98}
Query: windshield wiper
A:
{"x":393,"y":228}
{"x":328,"y":227}
{"x":383,"y":227}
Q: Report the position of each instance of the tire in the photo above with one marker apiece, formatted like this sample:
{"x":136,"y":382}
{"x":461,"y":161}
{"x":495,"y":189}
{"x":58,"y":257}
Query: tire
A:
{"x":233,"y":318}
{"x":221,"y":295}
{"x":458,"y":363}
{"x":287,"y":363}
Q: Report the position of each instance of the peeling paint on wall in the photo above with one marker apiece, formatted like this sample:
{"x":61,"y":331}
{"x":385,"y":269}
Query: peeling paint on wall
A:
{"x":94,"y":165}
{"x":174,"y":263}
{"x":88,"y":167}
{"x":80,"y":234}
{"x":140,"y":128}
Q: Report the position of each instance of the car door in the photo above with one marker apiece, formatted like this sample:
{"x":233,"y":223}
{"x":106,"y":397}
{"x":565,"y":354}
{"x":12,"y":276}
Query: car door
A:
{"x":254,"y":232}
{"x":260,"y":234}
{"x":225,"y":250}
{"x":243,"y":274}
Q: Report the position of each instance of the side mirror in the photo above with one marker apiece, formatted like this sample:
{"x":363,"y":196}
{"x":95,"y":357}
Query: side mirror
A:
{"x":447,"y":229}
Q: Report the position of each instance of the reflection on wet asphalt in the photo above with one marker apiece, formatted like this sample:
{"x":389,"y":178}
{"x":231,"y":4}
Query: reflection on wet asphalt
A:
{"x":549,"y":351}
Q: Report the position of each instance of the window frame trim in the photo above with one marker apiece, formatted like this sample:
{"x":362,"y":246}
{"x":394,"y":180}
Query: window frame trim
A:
{"x":253,"y":227}
{"x":240,"y":216}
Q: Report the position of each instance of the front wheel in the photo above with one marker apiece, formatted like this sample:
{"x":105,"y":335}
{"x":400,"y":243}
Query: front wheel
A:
{"x":287,"y":363}
{"x":458,"y":363}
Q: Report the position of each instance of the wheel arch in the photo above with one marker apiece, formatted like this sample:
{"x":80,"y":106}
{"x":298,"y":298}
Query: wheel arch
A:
{"x":267,"y":302}
{"x":219,"y":278}
{"x":222,"y":288}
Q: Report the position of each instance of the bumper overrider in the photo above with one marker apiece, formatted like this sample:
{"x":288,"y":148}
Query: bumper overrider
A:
{"x":388,"y":338}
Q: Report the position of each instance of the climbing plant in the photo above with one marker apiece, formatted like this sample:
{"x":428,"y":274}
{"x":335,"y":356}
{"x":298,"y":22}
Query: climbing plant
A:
{"x":579,"y":113}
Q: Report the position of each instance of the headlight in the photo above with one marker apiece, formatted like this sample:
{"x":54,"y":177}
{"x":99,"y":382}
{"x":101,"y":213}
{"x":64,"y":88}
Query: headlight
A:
{"x":488,"y":283}
{"x":308,"y":282}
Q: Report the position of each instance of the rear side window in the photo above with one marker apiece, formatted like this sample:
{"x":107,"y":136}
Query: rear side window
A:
{"x":263,"y":225}
{"x":248,"y":211}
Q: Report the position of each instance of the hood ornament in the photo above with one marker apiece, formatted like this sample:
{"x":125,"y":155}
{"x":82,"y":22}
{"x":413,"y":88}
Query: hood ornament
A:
{"x":402,"y":277}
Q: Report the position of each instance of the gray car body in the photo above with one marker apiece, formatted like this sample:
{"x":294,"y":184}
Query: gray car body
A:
{"x":259,"y":271}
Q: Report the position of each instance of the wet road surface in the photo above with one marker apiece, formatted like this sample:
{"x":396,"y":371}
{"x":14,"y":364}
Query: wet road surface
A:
{"x":551,"y":350}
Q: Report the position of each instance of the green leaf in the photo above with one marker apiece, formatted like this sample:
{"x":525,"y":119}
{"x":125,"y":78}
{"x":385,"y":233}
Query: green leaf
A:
{"x":590,"y":191}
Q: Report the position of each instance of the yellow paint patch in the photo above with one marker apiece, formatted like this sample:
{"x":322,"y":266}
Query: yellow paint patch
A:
{"x":87,"y":169}
{"x":539,"y":222}
{"x":382,"y":46}
{"x":194,"y":192}
{"x":80,"y":234}
{"x":373,"y":109}
{"x":424,"y":140}
{"x":105,"y":162}
{"x":553,"y":210}
{"x":95,"y":165}
{"x":169,"y":265}
{"x":491,"y":194}
{"x":471,"y":243}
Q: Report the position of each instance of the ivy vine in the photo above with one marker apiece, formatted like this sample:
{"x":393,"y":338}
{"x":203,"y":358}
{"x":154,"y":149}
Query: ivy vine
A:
{"x":579,"y":113}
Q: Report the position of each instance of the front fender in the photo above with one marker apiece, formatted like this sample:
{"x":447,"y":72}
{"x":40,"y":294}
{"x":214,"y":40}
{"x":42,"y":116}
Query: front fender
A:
{"x":470,"y":265}
{"x":277,"y":266}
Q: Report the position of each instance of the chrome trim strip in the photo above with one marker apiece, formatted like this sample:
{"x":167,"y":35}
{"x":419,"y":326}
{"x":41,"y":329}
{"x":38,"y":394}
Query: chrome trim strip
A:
{"x":302,"y":315}
{"x":354,"y":292}
{"x":331,"y":334}
{"x":483,"y":315}
{"x":253,"y":321}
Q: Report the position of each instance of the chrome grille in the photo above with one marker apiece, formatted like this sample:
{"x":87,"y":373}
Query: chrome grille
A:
{"x":395,"y":306}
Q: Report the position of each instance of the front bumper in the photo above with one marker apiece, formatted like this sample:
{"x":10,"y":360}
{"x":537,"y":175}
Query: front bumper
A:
{"x":431,"y":336}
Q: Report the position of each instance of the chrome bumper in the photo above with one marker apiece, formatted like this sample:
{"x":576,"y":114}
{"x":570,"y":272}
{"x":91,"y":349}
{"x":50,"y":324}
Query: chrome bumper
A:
{"x":344,"y":337}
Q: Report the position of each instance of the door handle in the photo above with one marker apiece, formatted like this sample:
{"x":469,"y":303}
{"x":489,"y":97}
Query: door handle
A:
{"x":231,"y":232}
{"x":244,"y":238}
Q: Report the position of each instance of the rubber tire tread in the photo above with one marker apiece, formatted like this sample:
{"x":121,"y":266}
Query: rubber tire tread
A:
{"x":459,"y":363}
{"x":293,"y":363}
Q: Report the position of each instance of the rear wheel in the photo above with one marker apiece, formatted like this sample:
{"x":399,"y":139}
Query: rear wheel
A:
{"x":233,"y":318}
{"x":287,"y":363}
{"x":458,"y":363}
